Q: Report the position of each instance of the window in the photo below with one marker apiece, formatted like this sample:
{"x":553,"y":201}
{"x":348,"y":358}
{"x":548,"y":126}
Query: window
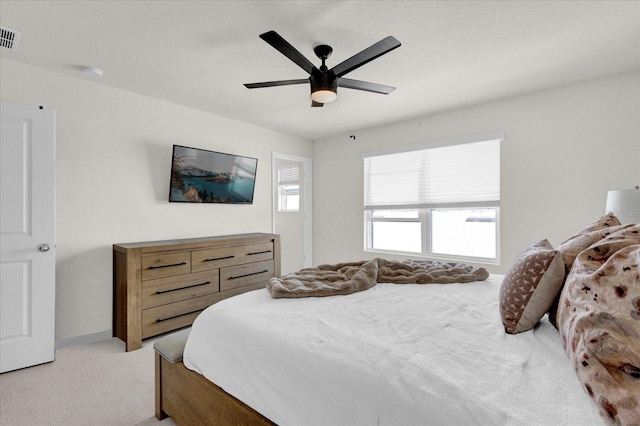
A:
{"x":289,"y":189}
{"x":440,"y":202}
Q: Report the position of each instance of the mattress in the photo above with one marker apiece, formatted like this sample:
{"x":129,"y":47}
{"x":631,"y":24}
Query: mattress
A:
{"x":396,"y":354}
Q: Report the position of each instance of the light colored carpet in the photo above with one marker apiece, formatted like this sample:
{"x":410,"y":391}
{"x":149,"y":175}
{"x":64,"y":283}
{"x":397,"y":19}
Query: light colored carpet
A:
{"x":93,"y":384}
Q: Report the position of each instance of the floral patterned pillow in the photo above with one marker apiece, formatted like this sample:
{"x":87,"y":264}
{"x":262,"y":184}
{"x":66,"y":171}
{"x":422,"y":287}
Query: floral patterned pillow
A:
{"x":572,"y":246}
{"x":599,"y":323}
{"x":530,"y":286}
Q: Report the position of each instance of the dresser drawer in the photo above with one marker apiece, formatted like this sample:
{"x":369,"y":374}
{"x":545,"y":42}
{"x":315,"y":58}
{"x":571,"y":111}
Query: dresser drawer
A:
{"x":174,"y":315}
{"x":243,"y":275}
{"x":181,"y":287}
{"x":220,"y":257}
{"x":165,"y":264}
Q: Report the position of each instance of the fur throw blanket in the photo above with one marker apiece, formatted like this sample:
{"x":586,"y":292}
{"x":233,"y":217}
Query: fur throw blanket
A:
{"x":347,"y":278}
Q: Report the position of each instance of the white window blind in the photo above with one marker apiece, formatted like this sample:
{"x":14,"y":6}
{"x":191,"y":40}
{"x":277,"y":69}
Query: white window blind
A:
{"x":461,"y":175}
{"x":289,"y":175}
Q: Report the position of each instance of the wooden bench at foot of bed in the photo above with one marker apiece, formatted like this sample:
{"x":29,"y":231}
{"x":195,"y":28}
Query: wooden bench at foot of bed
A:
{"x":190,"y":399}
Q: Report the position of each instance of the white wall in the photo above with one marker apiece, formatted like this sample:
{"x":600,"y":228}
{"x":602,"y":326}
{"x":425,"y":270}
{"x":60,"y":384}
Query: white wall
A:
{"x":112,"y":174}
{"x":563,"y":150}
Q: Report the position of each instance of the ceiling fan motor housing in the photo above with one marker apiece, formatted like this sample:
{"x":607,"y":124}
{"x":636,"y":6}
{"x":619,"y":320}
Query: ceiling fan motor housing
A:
{"x":326,"y":80}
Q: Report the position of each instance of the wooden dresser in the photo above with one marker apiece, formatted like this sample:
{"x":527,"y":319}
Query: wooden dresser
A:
{"x":160,"y":286}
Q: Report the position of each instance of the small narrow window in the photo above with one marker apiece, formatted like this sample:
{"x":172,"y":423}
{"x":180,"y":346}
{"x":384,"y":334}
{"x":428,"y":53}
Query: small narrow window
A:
{"x":289,"y":189}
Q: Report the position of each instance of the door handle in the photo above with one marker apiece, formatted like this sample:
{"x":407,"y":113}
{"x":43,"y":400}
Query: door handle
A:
{"x":44,"y":248}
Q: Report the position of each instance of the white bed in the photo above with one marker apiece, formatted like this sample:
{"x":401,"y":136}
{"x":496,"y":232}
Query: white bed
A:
{"x":396,"y":354}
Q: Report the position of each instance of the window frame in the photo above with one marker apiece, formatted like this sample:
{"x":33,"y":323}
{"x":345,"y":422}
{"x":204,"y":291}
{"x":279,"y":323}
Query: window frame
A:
{"x":284,"y":186}
{"x":424,"y":216}
{"x":284,"y":192}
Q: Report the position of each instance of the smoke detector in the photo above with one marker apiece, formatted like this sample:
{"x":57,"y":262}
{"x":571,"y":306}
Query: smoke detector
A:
{"x":9,"y":38}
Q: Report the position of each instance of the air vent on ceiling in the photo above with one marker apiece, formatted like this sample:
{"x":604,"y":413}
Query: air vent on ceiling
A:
{"x":9,"y":38}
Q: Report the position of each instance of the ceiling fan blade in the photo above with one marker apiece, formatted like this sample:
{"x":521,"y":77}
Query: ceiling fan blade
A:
{"x":283,"y":46}
{"x":316,"y":104}
{"x":276,"y":83}
{"x":365,"y":85}
{"x":367,"y":55}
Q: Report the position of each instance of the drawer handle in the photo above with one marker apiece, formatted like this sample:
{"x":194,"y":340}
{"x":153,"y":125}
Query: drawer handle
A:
{"x":182,"y":288}
{"x":258,"y":252}
{"x":213,"y":259}
{"x":177,"y":316}
{"x":248,"y":275}
{"x":167,"y":266}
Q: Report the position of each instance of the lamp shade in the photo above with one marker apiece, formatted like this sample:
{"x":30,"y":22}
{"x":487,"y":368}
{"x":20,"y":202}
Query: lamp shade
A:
{"x":625,"y":204}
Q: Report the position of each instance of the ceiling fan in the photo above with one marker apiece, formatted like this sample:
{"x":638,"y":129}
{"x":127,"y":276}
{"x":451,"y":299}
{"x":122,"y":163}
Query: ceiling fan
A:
{"x":324,"y":81}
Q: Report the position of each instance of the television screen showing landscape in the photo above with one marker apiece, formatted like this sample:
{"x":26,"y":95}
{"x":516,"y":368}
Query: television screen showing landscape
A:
{"x":201,"y":176}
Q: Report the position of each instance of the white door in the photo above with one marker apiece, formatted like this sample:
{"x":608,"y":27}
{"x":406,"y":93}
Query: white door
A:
{"x":292,"y":210}
{"x":27,"y":257}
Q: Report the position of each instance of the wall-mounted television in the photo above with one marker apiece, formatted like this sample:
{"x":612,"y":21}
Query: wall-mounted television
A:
{"x":202,"y":176}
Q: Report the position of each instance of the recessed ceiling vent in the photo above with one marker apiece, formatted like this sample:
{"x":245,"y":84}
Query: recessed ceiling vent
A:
{"x":9,"y":38}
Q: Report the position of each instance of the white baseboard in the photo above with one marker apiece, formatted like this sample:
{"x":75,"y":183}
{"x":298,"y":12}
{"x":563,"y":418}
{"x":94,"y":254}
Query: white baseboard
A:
{"x":82,"y":340}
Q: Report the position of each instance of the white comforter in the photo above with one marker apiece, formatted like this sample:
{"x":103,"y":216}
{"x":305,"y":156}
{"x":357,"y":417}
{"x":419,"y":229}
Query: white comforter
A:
{"x":407,"y":354}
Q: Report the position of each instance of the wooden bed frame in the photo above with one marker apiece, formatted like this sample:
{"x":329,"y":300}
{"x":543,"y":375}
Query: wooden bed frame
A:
{"x":190,"y":399}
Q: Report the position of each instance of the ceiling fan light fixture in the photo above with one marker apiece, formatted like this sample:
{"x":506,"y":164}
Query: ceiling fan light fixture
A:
{"x":324,"y":81}
{"x":324,"y":85}
{"x":324,"y":95}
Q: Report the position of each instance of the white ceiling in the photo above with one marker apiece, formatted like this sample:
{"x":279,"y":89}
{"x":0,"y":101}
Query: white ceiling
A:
{"x":453,"y":53}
